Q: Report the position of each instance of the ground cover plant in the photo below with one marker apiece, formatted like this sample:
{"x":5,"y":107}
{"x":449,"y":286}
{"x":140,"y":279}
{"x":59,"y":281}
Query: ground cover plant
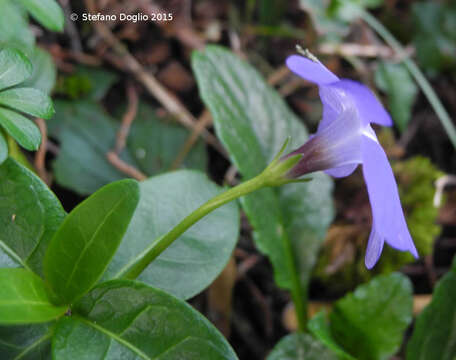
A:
{"x":227,"y":180}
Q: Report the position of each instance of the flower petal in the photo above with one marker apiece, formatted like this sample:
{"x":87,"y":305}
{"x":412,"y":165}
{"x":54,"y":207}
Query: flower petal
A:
{"x":374,"y":247}
{"x":388,"y":217}
{"x":369,"y":108}
{"x":310,"y":70}
{"x":334,"y":101}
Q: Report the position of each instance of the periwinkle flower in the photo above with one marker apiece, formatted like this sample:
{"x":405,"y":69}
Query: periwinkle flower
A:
{"x":344,"y":140}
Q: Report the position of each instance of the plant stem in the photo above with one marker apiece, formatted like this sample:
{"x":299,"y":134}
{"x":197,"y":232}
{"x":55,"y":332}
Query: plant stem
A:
{"x":416,"y":73}
{"x":137,"y":266}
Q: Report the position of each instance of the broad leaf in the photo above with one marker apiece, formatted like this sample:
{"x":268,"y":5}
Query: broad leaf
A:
{"x":253,"y":122}
{"x":24,"y":298}
{"x":3,"y":148}
{"x":300,"y":347}
{"x":47,"y":12}
{"x":396,"y":81}
{"x":435,"y":328}
{"x":194,"y":260}
{"x":370,"y":323}
{"x":29,"y":216}
{"x":129,"y":320}
{"x":23,"y":130}
{"x":44,"y":71}
{"x":155,"y":143}
{"x":28,"y":100}
{"x":83,"y":246}
{"x":86,"y":134}
{"x":14,"y":67}
{"x":26,"y":342}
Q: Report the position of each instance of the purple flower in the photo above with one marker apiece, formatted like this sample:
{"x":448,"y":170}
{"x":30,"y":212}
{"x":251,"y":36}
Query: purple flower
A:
{"x":345,"y":139}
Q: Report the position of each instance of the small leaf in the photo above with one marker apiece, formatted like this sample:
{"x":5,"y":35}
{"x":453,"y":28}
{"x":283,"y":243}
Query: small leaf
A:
{"x":3,"y":148}
{"x":82,"y":248}
{"x":396,"y":81}
{"x":128,"y":320}
{"x":29,"y":216}
{"x":300,"y":347}
{"x":44,"y":71}
{"x":47,"y":12}
{"x":23,"y":130}
{"x":14,"y":68}
{"x":195,"y":259}
{"x":26,"y":342}
{"x":28,"y":100}
{"x":433,"y":337}
{"x":24,"y":299}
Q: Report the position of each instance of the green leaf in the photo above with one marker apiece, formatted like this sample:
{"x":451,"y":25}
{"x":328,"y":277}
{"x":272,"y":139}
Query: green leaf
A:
{"x":194,"y":260}
{"x":23,"y":130}
{"x":319,"y":327}
{"x":3,"y":148}
{"x":84,"y":126}
{"x":29,"y":216}
{"x":26,"y":342}
{"x":128,"y":320}
{"x":370,"y":323}
{"x":44,"y":71}
{"x":300,"y":346}
{"x":47,"y":12}
{"x":24,"y":298}
{"x":155,"y":143}
{"x":395,"y":80}
{"x":253,"y":122}
{"x":433,"y":337}
{"x":83,"y":246}
{"x":28,"y":100}
{"x":14,"y":67}
{"x":14,"y":28}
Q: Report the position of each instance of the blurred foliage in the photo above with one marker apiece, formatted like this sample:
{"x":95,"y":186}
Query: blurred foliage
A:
{"x":341,"y":263}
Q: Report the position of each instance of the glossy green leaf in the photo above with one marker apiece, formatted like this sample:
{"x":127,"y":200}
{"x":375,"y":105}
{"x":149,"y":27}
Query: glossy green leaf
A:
{"x":3,"y":148}
{"x":253,"y":122}
{"x":155,"y":143}
{"x":29,"y":216}
{"x":86,"y":134}
{"x":435,"y":328}
{"x":83,"y":246}
{"x":396,"y":81}
{"x":300,"y":346}
{"x":23,"y":130}
{"x":194,"y":260}
{"x":14,"y":28}
{"x":28,"y":100}
{"x":47,"y":12}
{"x":370,"y":322}
{"x":319,"y":327}
{"x":128,"y":320}
{"x":26,"y":342}
{"x":14,"y":67}
{"x":44,"y":71}
{"x":24,"y":298}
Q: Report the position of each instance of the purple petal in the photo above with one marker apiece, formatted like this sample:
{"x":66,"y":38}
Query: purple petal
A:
{"x":335,"y":101}
{"x":388,"y":218}
{"x":310,"y":70}
{"x":369,"y":108}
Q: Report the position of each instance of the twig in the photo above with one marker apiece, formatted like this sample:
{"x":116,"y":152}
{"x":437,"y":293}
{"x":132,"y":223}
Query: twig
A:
{"x":354,"y":49}
{"x":72,"y":31}
{"x":128,"y":118}
{"x":40,"y":155}
{"x":122,"y":166}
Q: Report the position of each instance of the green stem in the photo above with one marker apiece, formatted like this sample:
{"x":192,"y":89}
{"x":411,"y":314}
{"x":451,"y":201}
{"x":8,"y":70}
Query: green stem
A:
{"x":137,"y":266}
{"x":416,"y":73}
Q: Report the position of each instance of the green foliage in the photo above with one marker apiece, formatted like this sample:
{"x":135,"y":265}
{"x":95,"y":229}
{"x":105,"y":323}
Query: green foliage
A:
{"x":24,"y":298}
{"x":434,"y":333}
{"x":14,"y":29}
{"x":165,"y":201}
{"x":44,"y":72}
{"x":396,"y":82}
{"x":369,"y":323}
{"x":434,"y":35}
{"x":300,"y":346}
{"x":128,"y":320}
{"x":47,"y":12}
{"x":26,"y":342}
{"x":83,"y":246}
